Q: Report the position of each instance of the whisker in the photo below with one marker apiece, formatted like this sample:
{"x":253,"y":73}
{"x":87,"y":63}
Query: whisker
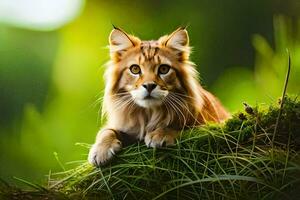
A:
{"x":179,"y":110}
{"x":169,"y":103}
{"x":180,"y":101}
{"x":203,"y":110}
{"x":122,"y":103}
{"x":168,"y":111}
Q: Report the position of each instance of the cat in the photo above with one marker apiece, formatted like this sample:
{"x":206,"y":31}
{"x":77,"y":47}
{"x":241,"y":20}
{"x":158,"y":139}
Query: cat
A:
{"x":152,"y":93}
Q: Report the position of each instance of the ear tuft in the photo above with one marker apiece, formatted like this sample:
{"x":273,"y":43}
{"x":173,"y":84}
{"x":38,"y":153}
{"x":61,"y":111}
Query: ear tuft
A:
{"x":114,"y":26}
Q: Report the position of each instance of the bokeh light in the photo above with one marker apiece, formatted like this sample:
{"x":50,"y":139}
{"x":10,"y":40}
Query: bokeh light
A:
{"x":39,"y":14}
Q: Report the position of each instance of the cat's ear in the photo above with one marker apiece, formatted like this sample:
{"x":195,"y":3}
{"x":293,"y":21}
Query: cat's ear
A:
{"x":120,"y":41}
{"x":178,"y":41}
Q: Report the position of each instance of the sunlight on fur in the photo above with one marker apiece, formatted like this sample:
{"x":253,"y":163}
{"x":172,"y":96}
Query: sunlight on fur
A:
{"x":151,"y":94}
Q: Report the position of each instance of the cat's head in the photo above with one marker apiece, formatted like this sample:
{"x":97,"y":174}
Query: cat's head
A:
{"x":150,"y":70}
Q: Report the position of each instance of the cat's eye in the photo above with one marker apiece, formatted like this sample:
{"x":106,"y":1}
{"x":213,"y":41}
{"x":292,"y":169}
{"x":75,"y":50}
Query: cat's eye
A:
{"x":135,"y":69}
{"x":163,"y":69}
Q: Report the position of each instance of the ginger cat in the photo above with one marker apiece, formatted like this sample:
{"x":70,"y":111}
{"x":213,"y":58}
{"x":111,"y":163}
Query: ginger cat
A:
{"x":151,"y":94}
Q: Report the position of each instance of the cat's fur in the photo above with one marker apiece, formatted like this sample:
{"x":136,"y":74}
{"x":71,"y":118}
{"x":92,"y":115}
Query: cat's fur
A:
{"x":151,"y":105}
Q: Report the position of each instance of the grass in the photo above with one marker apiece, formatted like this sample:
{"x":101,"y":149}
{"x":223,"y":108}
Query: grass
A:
{"x":237,"y":160}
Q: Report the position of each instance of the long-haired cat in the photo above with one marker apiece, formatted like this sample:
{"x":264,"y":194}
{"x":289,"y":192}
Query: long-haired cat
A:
{"x":151,"y":94}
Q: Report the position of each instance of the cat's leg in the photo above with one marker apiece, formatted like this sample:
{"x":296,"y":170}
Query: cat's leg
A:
{"x":161,"y":137}
{"x":106,"y":145}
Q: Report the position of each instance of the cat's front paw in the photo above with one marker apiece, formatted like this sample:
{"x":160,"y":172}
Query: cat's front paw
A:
{"x":160,"y":138}
{"x":104,"y":149}
{"x":101,"y":153}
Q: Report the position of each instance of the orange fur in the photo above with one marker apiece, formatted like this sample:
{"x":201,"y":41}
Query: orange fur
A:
{"x":152,"y":93}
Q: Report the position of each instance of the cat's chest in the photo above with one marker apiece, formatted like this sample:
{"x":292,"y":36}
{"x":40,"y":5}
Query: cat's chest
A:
{"x":139,"y":122}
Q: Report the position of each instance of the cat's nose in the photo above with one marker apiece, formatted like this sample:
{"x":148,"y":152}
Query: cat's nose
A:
{"x":149,"y":86}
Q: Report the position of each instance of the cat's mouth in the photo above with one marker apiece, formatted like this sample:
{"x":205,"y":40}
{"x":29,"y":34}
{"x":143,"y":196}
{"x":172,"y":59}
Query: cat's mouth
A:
{"x":149,"y":101}
{"x":149,"y":97}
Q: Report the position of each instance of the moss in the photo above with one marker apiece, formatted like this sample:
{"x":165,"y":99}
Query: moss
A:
{"x":236,"y":160}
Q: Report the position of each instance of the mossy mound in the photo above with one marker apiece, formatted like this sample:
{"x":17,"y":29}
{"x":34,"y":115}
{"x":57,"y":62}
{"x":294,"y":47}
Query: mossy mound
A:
{"x":237,"y":160}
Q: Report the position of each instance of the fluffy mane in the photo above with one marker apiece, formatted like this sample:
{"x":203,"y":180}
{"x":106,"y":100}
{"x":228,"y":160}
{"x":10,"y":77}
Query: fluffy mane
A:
{"x":152,"y":93}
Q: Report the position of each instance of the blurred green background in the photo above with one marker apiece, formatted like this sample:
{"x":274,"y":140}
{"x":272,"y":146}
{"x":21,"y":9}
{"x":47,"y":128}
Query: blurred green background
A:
{"x":52,"y":55}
